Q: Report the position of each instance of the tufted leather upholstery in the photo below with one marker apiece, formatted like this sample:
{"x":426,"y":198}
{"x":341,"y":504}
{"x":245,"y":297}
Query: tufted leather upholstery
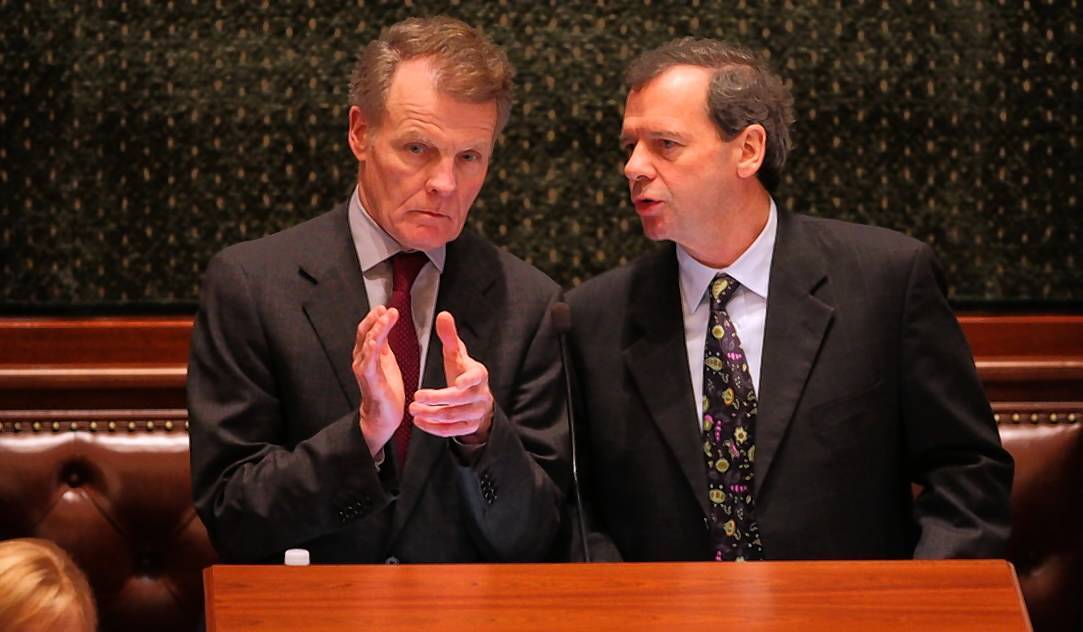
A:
{"x":118,"y":498}
{"x":115,"y":492}
{"x":1046,"y":546}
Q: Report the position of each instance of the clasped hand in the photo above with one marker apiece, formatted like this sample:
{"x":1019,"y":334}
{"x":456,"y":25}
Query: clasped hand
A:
{"x":463,"y":409}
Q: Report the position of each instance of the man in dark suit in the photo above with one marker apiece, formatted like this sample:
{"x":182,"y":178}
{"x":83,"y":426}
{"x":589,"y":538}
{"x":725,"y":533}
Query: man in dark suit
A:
{"x":770,"y":385}
{"x":308,"y":426}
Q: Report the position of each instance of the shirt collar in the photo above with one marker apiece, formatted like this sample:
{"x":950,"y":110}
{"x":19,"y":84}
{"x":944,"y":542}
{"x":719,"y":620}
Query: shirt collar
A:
{"x":374,"y":245}
{"x":752,"y":269}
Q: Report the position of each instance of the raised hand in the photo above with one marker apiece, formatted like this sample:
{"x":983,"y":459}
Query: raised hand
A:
{"x":463,"y":409}
{"x":378,"y":377}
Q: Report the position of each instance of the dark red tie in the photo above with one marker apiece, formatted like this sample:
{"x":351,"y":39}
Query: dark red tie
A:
{"x":403,"y":341}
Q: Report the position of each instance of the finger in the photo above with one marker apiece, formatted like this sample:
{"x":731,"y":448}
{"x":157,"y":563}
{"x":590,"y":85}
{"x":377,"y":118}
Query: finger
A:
{"x":361,"y":348}
{"x":369,"y":361}
{"x":471,"y":385}
{"x":448,"y":414}
{"x":453,"y":346}
{"x":383,"y":326}
{"x":450,"y":396}
{"x":475,"y":374}
{"x":455,"y":429}
{"x":375,"y":350}
{"x":366,"y":324}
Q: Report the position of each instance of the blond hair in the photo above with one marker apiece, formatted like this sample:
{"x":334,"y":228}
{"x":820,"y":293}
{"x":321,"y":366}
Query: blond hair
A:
{"x":42,"y":588}
{"x":468,"y":66}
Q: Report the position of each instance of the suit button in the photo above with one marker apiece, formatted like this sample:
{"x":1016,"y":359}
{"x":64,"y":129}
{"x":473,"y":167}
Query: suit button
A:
{"x":392,"y":560}
{"x":706,"y":523}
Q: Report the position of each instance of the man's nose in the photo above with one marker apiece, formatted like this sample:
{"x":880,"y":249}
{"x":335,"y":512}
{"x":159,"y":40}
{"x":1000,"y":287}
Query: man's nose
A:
{"x":442,"y":177}
{"x":638,"y":165}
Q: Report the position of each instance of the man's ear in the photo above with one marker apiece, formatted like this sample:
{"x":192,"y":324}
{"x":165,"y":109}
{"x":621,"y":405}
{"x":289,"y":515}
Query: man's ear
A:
{"x":751,"y":149}
{"x":358,"y":133}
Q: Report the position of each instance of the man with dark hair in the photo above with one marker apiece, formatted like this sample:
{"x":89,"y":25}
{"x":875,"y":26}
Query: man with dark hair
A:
{"x":434,"y":428}
{"x":770,"y":385}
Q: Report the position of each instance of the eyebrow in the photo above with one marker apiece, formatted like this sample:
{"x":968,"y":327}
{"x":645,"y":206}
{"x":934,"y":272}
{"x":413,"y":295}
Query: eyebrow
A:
{"x":654,"y":134}
{"x":417,"y":136}
{"x":413,"y":135}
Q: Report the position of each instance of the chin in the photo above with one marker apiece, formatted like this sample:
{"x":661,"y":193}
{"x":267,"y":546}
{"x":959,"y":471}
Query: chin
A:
{"x":428,"y":238}
{"x":654,"y":230}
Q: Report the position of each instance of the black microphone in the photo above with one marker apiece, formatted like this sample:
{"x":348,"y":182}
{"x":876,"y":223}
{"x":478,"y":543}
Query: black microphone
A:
{"x":562,"y":322}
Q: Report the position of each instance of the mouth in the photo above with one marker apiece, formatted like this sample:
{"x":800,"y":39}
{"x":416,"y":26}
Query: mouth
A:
{"x":645,"y":205}
{"x":430,"y":214}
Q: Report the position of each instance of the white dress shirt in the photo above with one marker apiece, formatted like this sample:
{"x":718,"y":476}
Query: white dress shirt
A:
{"x":374,"y":250}
{"x":747,"y":307}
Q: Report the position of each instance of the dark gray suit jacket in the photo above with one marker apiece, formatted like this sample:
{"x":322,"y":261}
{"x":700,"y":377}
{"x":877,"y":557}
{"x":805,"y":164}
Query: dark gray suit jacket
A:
{"x":867,"y":386}
{"x":278,"y":459}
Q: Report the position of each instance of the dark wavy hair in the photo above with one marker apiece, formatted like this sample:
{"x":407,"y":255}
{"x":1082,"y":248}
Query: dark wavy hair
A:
{"x":743,"y":91}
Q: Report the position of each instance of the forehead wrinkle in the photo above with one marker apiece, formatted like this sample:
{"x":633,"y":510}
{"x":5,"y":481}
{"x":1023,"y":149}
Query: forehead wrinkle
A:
{"x":422,"y":122}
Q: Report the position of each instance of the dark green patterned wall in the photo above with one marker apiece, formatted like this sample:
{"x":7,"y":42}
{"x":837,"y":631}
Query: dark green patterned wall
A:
{"x":137,"y":138}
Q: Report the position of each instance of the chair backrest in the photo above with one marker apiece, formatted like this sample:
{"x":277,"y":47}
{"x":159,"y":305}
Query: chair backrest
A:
{"x":1046,"y":545}
{"x":114,"y":490}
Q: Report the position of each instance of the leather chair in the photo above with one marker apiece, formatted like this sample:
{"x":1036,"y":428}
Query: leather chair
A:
{"x":114,"y":490}
{"x":1046,"y":545}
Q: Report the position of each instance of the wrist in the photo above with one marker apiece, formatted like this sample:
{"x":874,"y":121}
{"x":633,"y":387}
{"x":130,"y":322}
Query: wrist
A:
{"x":373,"y":439}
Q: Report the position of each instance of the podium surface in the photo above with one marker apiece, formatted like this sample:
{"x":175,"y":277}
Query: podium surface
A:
{"x":838,"y":596}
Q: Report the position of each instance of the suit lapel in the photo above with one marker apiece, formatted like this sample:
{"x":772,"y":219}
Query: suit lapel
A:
{"x":657,"y":359}
{"x":337,"y":301}
{"x":797,"y":321}
{"x":468,"y":274}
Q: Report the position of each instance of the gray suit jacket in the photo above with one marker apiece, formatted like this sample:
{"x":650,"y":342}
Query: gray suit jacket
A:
{"x":867,"y":387}
{"x":278,"y":459}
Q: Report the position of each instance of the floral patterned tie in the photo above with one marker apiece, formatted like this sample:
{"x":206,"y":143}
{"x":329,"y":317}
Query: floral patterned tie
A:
{"x":729,"y":416}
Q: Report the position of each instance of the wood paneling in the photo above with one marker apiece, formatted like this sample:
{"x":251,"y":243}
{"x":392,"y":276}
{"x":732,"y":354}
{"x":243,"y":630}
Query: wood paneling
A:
{"x":94,"y":341}
{"x":89,"y":363}
{"x":141,"y":362}
{"x":1026,"y":336}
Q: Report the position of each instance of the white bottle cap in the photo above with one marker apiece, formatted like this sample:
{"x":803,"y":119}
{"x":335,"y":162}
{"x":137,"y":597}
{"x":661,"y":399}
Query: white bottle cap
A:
{"x":297,"y":557}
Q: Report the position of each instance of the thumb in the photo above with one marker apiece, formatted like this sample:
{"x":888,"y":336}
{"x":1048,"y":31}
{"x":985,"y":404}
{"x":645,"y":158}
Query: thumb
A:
{"x":452,"y":345}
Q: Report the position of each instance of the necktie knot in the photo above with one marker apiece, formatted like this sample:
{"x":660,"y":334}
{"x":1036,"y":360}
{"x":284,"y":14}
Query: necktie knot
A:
{"x":405,"y":266}
{"x":722,"y":288}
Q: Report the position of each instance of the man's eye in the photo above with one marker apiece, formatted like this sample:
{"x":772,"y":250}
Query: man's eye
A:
{"x":415,"y":148}
{"x":665,"y":143}
{"x":628,"y":148}
{"x":471,"y":156}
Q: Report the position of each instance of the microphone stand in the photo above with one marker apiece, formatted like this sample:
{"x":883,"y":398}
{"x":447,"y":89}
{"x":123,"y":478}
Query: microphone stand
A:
{"x":562,"y":321}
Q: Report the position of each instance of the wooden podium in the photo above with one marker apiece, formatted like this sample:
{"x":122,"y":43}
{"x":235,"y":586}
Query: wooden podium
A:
{"x":878,"y":596}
